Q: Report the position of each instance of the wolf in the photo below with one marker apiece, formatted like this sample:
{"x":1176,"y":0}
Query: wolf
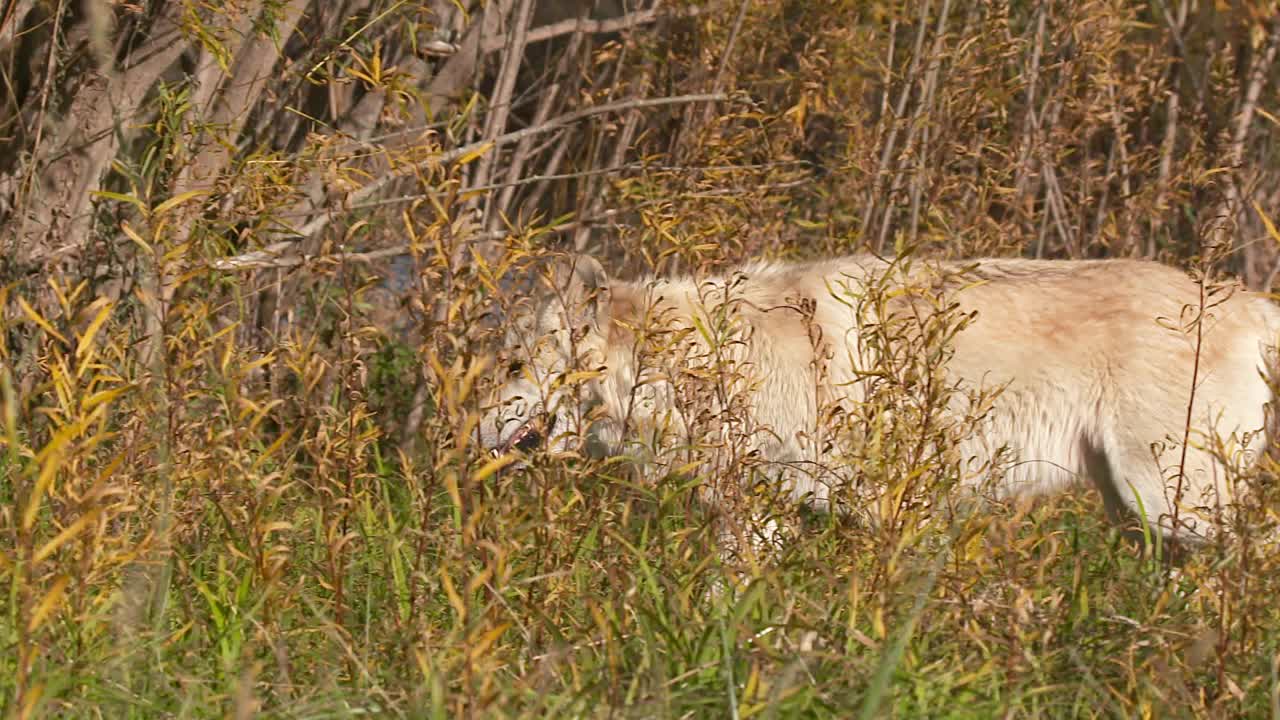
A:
{"x":1128,"y":374}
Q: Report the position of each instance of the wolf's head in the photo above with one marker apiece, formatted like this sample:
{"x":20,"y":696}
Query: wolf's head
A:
{"x":554,"y":340}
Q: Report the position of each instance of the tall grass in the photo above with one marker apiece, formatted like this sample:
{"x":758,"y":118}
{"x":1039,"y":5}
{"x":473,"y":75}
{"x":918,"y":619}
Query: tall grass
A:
{"x":231,"y":532}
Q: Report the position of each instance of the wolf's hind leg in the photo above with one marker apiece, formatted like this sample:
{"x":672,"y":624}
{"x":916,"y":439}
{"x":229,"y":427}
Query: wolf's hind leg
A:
{"x":1183,"y":506}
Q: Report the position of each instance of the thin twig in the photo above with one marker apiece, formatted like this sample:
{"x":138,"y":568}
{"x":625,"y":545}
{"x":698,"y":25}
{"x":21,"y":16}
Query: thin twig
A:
{"x":558,"y":155}
{"x":1058,"y":206}
{"x":589,"y":202}
{"x":515,"y":166}
{"x":522,"y":151}
{"x":552,"y":177}
{"x":596,"y":196}
{"x":1121,"y":145}
{"x":922,"y":119}
{"x":51,"y":63}
{"x":1191,"y":401}
{"x":11,"y":22}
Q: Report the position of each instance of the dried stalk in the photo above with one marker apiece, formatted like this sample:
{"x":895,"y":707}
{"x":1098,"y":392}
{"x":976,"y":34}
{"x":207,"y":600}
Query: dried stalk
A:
{"x":1170,"y":141}
{"x":596,"y":197}
{"x":922,"y":119}
{"x":718,"y":84}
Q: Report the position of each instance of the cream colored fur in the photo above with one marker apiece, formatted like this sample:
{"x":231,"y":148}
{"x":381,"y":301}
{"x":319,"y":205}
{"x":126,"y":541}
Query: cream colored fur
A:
{"x":1089,"y":366}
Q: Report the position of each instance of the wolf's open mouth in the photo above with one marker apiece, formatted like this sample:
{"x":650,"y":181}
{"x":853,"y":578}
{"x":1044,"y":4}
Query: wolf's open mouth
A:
{"x":528,"y":436}
{"x":525,"y":438}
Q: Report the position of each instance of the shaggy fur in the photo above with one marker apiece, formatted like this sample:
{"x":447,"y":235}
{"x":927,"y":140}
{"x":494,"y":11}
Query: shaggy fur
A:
{"x":1089,"y":367}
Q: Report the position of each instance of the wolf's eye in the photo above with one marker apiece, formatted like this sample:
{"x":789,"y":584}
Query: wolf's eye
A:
{"x":515,"y":368}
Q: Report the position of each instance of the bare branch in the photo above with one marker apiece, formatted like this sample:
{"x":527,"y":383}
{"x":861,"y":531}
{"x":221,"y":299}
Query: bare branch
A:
{"x":504,"y":88}
{"x":596,"y":198}
{"x":1030,"y":136}
{"x":585,"y":25}
{"x":886,"y":152}
{"x":550,"y":96}
{"x":922,"y":106}
{"x":284,"y":254}
{"x":321,"y":221}
{"x":460,"y":69}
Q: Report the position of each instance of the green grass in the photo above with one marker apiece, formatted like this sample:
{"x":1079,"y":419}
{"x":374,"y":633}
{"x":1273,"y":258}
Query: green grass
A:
{"x":594,"y":598}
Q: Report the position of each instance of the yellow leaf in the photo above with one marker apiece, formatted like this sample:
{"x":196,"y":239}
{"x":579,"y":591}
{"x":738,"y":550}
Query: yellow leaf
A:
{"x":576,"y":377}
{"x":475,"y":153}
{"x":133,"y":235}
{"x":86,"y":340}
{"x":454,"y":598}
{"x":119,"y":197}
{"x":493,"y":466}
{"x":284,"y":437}
{"x":275,"y":526}
{"x":1211,"y":172}
{"x":451,"y":486}
{"x":102,"y":396}
{"x":177,"y":200}
{"x":1266,"y":221}
{"x":10,"y":403}
{"x":35,"y":318}
{"x":254,"y":365}
{"x":486,"y":640}
{"x":31,"y":702}
{"x":51,"y":457}
{"x":61,"y":538}
{"x":47,"y":604}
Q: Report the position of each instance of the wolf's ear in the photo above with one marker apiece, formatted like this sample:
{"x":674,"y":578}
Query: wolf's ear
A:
{"x":584,"y":286}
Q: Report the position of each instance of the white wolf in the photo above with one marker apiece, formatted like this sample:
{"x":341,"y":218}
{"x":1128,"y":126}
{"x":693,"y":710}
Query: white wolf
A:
{"x":1127,"y":373}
